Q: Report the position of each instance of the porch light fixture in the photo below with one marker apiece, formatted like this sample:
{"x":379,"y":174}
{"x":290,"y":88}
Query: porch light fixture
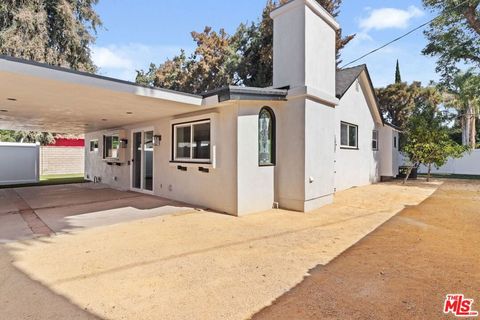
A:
{"x":123,"y":143}
{"x":156,"y":140}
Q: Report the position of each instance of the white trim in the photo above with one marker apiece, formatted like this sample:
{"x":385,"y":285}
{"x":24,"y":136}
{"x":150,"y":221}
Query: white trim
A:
{"x":349,"y":125}
{"x":313,"y":5}
{"x":314,"y":94}
{"x":18,"y":144}
{"x":45,"y":72}
{"x":190,"y":125}
{"x":213,"y":118}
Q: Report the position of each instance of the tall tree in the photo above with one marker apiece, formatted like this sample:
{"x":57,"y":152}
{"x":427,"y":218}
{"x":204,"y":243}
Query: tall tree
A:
{"x":398,"y":76}
{"x":463,"y":94}
{"x":212,"y":65}
{"x":57,"y":32}
{"x":454,"y":36}
{"x":246,"y":58}
{"x":397,"y":101}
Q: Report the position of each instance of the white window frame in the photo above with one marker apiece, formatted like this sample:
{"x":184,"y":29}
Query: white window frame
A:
{"x":90,"y":145}
{"x":348,"y":146}
{"x":190,"y":124}
{"x":375,"y":138}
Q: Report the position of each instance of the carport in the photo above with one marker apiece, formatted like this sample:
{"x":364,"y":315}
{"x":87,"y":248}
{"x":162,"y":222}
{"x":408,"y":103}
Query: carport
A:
{"x":40,"y":97}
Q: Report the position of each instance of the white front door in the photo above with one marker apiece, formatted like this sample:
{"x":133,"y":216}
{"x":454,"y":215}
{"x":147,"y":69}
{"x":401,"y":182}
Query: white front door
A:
{"x":142,"y":160}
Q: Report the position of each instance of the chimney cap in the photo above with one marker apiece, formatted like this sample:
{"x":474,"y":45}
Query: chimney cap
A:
{"x":313,"y":5}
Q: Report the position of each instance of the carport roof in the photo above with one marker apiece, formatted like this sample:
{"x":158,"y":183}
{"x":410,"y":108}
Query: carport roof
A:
{"x":41,"y":97}
{"x":37,"y":96}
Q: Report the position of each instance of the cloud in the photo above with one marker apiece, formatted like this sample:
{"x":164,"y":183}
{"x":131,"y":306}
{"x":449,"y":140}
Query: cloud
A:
{"x":122,"y":60}
{"x":110,"y":58}
{"x":389,"y":18}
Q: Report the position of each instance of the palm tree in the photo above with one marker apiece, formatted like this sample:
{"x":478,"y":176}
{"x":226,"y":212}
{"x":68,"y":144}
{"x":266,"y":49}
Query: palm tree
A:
{"x":464,"y":96}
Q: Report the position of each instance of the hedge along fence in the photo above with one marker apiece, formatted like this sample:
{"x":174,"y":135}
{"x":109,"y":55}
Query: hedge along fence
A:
{"x":19,"y":163}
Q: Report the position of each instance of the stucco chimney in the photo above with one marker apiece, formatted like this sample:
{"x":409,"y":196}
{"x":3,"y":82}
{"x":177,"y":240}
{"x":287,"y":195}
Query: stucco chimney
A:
{"x":304,"y":47}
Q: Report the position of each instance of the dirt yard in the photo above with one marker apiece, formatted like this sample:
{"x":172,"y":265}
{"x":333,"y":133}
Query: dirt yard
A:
{"x":403,"y":270}
{"x":190,"y":265}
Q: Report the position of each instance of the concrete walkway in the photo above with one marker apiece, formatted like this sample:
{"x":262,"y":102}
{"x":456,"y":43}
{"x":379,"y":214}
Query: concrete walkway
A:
{"x":194,"y":265}
{"x":27,"y":213}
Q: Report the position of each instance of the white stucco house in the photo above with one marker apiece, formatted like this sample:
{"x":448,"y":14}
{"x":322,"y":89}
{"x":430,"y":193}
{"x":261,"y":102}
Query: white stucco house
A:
{"x":235,"y":150}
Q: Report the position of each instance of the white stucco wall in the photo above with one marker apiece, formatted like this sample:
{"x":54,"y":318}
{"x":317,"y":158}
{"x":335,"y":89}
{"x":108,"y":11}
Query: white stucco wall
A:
{"x":215,"y":190}
{"x":356,"y":167}
{"x":290,"y":168}
{"x":19,"y":163}
{"x":386,"y":151}
{"x":389,"y":154}
{"x":289,"y":65}
{"x":319,"y":154}
{"x":320,"y":63}
{"x":255,"y":189}
{"x":304,"y":48}
{"x":237,"y":185}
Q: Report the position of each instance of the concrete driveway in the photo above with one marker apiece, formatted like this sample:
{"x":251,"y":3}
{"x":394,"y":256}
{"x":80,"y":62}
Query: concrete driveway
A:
{"x":30,"y":212}
{"x":194,"y":265}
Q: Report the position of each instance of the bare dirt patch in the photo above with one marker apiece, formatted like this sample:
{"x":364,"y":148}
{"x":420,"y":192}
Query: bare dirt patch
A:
{"x":403,"y":270}
{"x":200,"y":265}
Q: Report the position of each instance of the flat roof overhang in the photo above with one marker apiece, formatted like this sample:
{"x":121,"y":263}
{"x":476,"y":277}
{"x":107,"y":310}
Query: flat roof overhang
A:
{"x":39,"y":97}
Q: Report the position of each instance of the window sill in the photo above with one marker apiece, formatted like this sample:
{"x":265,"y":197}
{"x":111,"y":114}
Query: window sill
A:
{"x":266,"y":165}
{"x":349,"y":148}
{"x":113,"y":160}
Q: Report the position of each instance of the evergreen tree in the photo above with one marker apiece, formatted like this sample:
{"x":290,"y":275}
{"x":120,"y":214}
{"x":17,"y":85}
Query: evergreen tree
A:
{"x":57,"y":32}
{"x":212,"y":65}
{"x":398,"y":76}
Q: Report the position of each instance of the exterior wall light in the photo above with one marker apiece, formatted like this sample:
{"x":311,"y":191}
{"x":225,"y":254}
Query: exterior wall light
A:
{"x":156,"y":140}
{"x":123,"y":143}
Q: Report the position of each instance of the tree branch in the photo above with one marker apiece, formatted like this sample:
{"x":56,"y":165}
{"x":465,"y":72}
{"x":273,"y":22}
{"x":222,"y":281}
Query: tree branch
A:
{"x":472,"y":18}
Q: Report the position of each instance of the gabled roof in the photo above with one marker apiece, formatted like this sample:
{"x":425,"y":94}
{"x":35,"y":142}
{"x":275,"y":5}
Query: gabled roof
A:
{"x":346,"y":77}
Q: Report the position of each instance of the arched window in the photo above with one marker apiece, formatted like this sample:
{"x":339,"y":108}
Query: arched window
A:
{"x":266,"y":137}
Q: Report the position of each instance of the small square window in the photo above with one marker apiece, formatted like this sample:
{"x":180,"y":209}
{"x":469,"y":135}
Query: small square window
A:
{"x":94,"y":145}
{"x":348,"y":136}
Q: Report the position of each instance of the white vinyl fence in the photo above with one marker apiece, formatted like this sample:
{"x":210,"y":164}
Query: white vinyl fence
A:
{"x":468,"y":164}
{"x":19,"y":163}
